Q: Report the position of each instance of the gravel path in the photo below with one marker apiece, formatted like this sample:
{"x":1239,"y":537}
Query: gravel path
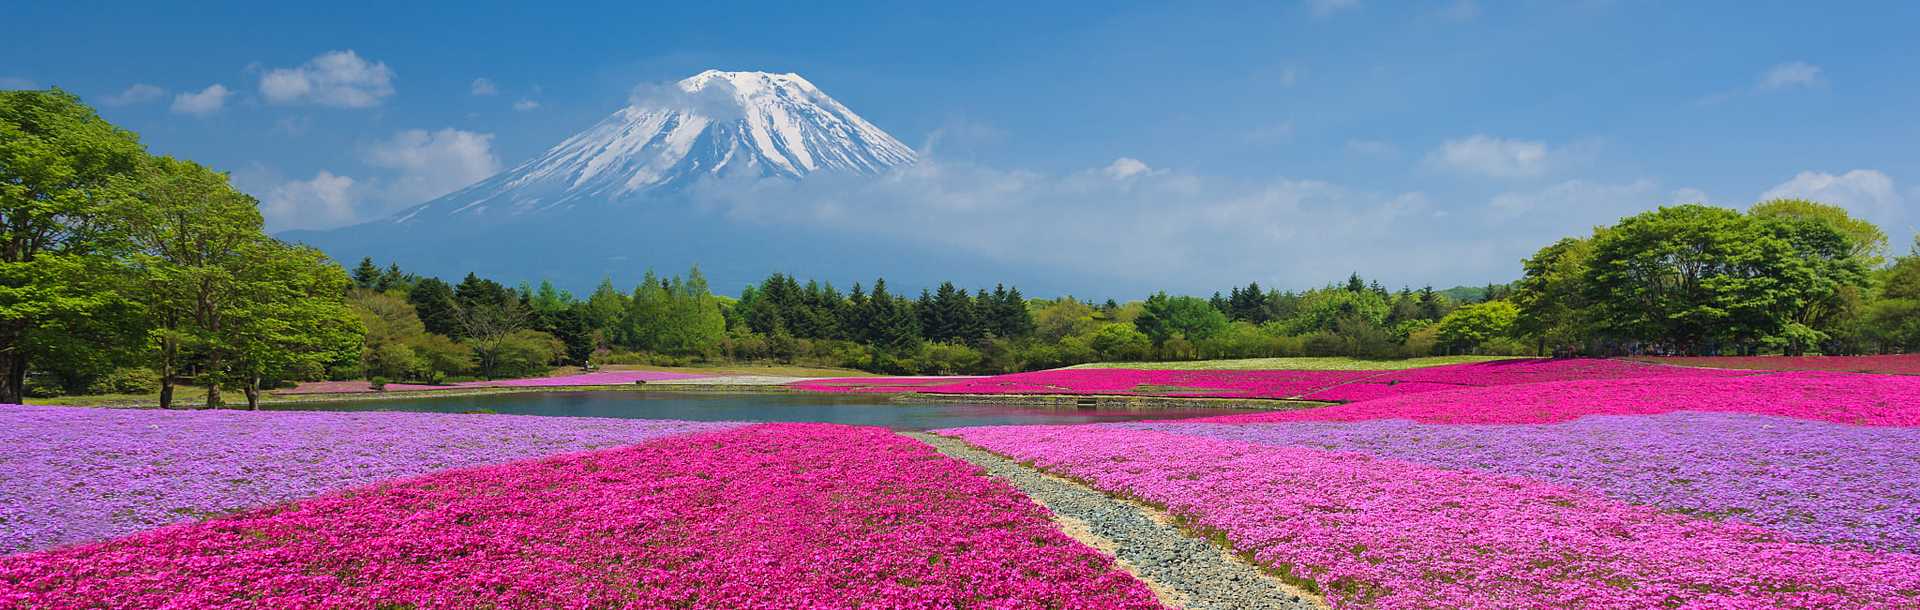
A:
{"x":1185,"y":571}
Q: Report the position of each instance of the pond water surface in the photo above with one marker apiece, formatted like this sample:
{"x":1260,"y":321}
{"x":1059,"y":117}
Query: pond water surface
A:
{"x":834,"y":408}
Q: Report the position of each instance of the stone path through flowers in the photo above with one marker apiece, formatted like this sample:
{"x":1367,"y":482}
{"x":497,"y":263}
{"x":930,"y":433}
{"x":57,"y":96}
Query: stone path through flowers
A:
{"x":1184,"y":570}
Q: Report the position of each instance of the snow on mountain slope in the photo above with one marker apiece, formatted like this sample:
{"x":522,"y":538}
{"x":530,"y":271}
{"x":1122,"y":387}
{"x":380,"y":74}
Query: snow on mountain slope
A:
{"x":712,"y":124}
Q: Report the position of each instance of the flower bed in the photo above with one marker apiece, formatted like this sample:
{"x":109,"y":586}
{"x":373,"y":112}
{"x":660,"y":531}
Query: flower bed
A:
{"x":875,"y":385}
{"x":1506,"y":372}
{"x":1847,"y":398}
{"x":1899,"y":364}
{"x":582,"y":379}
{"x":76,"y":474}
{"x":783,"y":515}
{"x":1133,"y":382}
{"x":1390,"y":534}
{"x":1320,"y":385}
{"x":1823,"y":482}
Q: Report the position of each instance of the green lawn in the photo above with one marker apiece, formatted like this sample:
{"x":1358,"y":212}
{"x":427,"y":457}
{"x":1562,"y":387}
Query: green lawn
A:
{"x":1329,"y":363}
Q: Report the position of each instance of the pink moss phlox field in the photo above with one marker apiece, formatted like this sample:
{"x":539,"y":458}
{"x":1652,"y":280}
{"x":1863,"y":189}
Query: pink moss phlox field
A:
{"x":1506,"y":372}
{"x":1322,"y":385}
{"x":768,"y":516}
{"x":1899,"y":364}
{"x":1847,"y":398}
{"x":1857,"y":486}
{"x":582,"y":379}
{"x":873,"y":385}
{"x":1135,"y":382}
{"x":77,"y":474}
{"x":1376,"y":533}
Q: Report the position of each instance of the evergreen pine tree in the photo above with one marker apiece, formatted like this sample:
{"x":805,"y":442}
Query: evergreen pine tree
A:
{"x":366,"y":274}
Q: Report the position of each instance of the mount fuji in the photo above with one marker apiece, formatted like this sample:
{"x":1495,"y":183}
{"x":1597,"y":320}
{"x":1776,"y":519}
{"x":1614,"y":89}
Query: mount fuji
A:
{"x":713,"y":124}
{"x":615,"y":199}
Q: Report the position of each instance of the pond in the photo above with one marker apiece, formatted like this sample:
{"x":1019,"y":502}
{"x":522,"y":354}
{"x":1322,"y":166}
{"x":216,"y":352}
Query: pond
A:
{"x":834,"y":408}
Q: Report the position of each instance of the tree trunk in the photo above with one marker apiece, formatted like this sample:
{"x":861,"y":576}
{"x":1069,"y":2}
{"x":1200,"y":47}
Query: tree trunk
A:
{"x":166,"y":374}
{"x":13,"y":362}
{"x":213,"y":380}
{"x":13,"y":377}
{"x":252,"y":390}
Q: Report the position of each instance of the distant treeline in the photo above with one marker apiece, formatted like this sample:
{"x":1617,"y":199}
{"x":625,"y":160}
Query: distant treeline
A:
{"x":1787,"y":276}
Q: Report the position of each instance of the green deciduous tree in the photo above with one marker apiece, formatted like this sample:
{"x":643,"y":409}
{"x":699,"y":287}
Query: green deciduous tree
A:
{"x":1166,"y":317}
{"x":291,"y":320}
{"x":195,"y":242}
{"x":1694,"y":279}
{"x":1551,"y":297}
{"x":1472,"y":326}
{"x":63,"y":175}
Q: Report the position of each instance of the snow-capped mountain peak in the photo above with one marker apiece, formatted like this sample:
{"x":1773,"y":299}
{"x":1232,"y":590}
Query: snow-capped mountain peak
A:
{"x":711,"y":124}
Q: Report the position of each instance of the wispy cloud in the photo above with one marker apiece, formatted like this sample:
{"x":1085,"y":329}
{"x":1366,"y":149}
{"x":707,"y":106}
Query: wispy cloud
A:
{"x":324,"y":201}
{"x":139,"y":93}
{"x":484,"y":87}
{"x":202,"y":103}
{"x":1789,"y":75}
{"x":1779,"y":77}
{"x":340,"y":79}
{"x":1491,"y":156}
{"x":525,"y":105}
{"x":1867,"y":193}
{"x":432,"y":163}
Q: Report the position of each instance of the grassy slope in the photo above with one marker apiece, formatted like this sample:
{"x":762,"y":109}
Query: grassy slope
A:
{"x":1332,"y":363}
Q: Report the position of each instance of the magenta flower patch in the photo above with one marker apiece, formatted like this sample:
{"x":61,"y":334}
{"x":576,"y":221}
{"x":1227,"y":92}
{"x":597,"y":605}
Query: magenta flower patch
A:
{"x":1847,"y":398}
{"x":769,"y":516}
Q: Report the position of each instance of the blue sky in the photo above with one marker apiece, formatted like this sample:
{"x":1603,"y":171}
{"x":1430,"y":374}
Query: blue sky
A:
{"x":1445,"y":139}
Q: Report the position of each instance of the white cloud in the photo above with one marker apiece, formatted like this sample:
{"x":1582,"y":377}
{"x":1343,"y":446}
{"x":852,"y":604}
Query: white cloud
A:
{"x":484,"y":86}
{"x":1865,"y":193}
{"x":15,"y":82}
{"x":325,"y":201}
{"x":1585,"y":202}
{"x":1372,"y":148}
{"x":1790,"y":74}
{"x":960,"y":137}
{"x":1126,"y":167}
{"x":207,"y":101}
{"x":525,"y":105}
{"x":1491,"y":156}
{"x":1127,"y":221}
{"x":139,"y":93}
{"x":336,"y":78}
{"x":1689,"y":195}
{"x":1328,"y":7}
{"x":431,"y":164}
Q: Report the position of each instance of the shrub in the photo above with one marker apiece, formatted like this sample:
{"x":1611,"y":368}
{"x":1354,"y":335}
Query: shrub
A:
{"x":130,"y":380}
{"x":1121,"y":342}
{"x":947,"y":359}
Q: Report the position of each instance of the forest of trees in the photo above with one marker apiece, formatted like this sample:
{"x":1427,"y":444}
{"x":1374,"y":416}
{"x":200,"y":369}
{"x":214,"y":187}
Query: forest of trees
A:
{"x":124,"y":272}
